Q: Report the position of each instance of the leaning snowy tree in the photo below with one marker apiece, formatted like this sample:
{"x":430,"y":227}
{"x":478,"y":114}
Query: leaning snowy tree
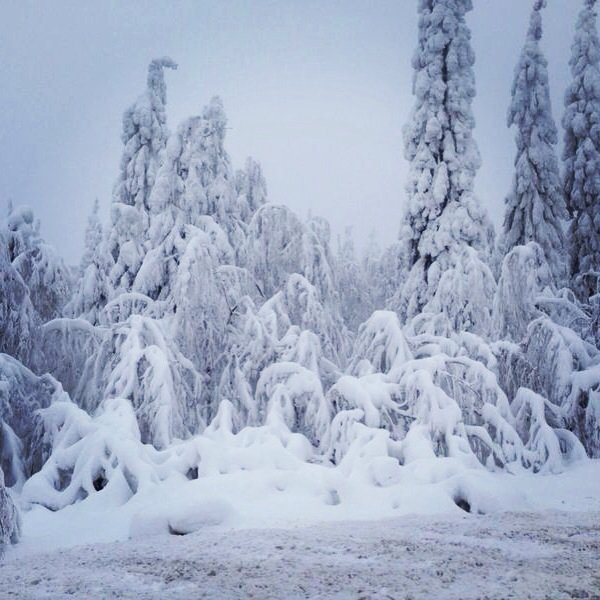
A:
{"x":443,"y":219}
{"x":144,"y":137}
{"x":535,"y":207}
{"x":581,"y":154}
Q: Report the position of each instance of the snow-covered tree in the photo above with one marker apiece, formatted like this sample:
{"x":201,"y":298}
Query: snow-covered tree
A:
{"x":200,"y":307}
{"x":535,"y":207}
{"x":280,"y":244}
{"x":251,"y":188}
{"x":465,"y":292}
{"x":9,"y":517}
{"x":581,"y":153}
{"x":439,"y":396}
{"x":144,"y":138}
{"x":556,"y":363}
{"x":138,"y":360}
{"x":389,"y":276}
{"x":209,"y":188}
{"x":90,"y":455}
{"x":18,"y":319}
{"x":524,"y":278}
{"x":93,"y":238}
{"x":22,"y":394}
{"x":355,"y":297}
{"x":194,"y":190}
{"x":442,"y":214}
{"x":91,"y":291}
{"x":42,"y":270}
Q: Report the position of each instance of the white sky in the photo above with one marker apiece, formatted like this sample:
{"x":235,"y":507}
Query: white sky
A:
{"x":316,"y":90}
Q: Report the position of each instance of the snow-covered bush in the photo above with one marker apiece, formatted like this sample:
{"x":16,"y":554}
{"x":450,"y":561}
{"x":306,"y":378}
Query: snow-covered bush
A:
{"x":546,"y":447}
{"x":138,"y":360}
{"x":583,"y":408}
{"x":89,"y":455}
{"x":294,"y":394}
{"x":555,"y":362}
{"x":380,"y":345}
{"x":437,"y":393}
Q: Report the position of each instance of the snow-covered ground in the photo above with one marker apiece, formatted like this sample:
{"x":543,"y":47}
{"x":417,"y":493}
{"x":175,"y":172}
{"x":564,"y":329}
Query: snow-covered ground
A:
{"x":300,"y":532}
{"x":546,"y":554}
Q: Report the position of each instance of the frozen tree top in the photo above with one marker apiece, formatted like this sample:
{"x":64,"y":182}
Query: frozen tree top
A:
{"x":156,"y":78}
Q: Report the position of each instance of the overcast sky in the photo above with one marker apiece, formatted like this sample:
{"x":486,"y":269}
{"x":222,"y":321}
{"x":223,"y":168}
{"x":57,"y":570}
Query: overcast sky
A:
{"x":316,"y":90}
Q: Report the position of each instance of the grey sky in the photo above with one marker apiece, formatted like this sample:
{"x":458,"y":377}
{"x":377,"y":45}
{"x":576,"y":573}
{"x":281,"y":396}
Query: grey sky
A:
{"x":317,"y":91}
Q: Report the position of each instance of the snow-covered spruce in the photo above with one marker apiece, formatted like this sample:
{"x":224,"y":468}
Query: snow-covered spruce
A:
{"x":144,"y":138}
{"x":442,"y":216}
{"x":535,"y":207}
{"x":581,"y":154}
{"x":41,"y":269}
{"x":92,"y":288}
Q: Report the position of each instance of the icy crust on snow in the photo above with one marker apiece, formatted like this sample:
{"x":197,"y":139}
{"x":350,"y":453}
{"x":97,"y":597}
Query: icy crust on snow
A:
{"x":551,"y":554}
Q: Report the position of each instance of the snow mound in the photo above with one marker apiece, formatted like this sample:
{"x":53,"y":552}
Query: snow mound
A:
{"x":181,"y":517}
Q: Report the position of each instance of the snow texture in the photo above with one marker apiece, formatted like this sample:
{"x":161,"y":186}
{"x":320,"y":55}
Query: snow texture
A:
{"x":519,"y":555}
